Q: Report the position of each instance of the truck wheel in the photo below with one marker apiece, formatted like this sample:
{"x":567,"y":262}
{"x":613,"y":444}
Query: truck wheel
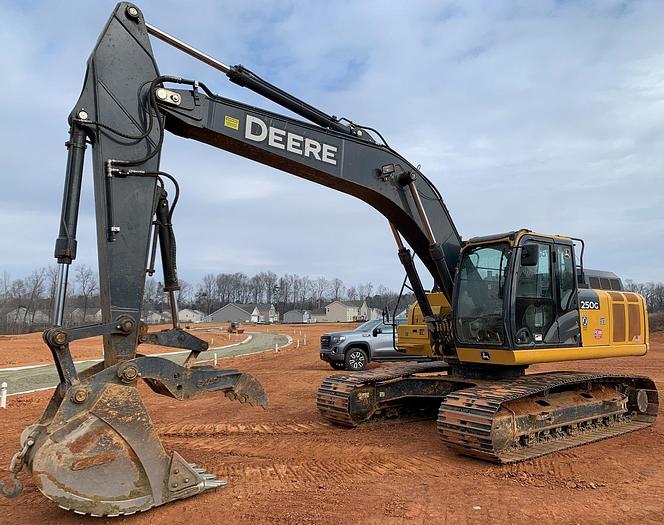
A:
{"x":356,"y":359}
{"x":338,"y":366}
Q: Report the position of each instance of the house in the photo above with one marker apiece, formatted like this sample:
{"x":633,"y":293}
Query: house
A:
{"x":154,"y":317}
{"x":187,"y":315}
{"x":21,"y":315}
{"x":317,"y":316}
{"x":343,"y":312}
{"x":92,"y":315}
{"x":375,"y":313}
{"x":297,"y":316}
{"x":264,"y":313}
{"x":230,"y":312}
{"x":247,"y":313}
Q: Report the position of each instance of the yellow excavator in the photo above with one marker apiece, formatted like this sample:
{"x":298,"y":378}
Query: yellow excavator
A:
{"x":498,"y":304}
{"x":518,"y":299}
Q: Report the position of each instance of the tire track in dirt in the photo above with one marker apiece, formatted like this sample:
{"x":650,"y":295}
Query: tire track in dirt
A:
{"x":335,"y":470}
{"x":562,"y":465}
{"x":273,"y":456}
{"x":247,"y":428}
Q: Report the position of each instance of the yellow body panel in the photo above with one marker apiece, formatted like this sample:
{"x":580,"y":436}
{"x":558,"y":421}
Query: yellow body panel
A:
{"x":533,"y":356}
{"x":621,"y":319}
{"x":413,"y":338}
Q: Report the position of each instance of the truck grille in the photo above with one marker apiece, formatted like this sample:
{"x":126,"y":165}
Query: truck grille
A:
{"x":325,"y":341}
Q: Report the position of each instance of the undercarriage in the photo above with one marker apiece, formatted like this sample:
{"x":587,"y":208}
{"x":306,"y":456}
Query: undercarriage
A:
{"x":498,"y":420}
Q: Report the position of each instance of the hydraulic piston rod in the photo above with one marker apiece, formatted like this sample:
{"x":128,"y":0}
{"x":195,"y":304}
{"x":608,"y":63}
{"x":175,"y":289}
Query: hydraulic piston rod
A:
{"x":243,"y":77}
{"x":65,"y":245}
{"x":435,"y":249}
{"x":183,"y":46}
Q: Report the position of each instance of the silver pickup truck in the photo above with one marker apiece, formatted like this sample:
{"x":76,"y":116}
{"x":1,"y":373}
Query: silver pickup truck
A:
{"x":355,"y":349}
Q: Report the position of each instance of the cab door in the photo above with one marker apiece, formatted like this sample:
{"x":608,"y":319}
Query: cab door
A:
{"x":534,"y":306}
{"x":567,"y":303}
{"x":544,"y":295}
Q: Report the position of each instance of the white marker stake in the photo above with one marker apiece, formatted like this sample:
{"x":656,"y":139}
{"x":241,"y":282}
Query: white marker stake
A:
{"x":305,"y":340}
{"x":298,"y":343}
{"x":215,"y":359}
{"x":3,"y":395}
{"x":276,"y":347}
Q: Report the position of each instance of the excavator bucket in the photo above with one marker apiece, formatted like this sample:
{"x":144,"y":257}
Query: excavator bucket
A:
{"x":95,"y":451}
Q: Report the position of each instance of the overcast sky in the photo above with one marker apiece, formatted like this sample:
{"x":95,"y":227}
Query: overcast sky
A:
{"x":547,"y":115}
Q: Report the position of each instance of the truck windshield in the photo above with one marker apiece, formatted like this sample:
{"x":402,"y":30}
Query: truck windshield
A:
{"x":479,"y":312}
{"x":368,"y":326}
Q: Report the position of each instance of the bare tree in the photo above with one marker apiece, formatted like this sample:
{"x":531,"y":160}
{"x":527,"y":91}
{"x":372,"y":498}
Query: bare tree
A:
{"x":364,"y":290}
{"x":256,"y":287}
{"x":351,"y":293}
{"x":5,"y":285}
{"x":186,"y":295}
{"x":306,"y":287}
{"x":52,"y":287}
{"x":207,"y":292}
{"x":150,"y":294}
{"x":35,"y":284}
{"x":320,"y":286}
{"x":17,"y":294}
{"x":337,"y":286}
{"x":269,"y":281}
{"x":87,"y":281}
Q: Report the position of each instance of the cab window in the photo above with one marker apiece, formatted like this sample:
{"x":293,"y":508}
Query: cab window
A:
{"x":565,"y":267}
{"x":535,"y":310}
{"x":481,"y":282}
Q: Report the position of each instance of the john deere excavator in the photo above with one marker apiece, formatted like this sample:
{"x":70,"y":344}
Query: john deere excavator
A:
{"x":498,"y":304}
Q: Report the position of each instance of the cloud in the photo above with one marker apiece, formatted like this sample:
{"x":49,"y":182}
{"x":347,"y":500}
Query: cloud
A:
{"x":544,"y":115}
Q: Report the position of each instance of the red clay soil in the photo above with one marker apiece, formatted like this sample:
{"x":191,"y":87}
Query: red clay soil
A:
{"x":285,"y":465}
{"x":29,"y":349}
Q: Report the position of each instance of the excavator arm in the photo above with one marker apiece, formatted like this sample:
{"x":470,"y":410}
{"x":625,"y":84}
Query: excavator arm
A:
{"x":125,"y":108}
{"x":95,"y":450}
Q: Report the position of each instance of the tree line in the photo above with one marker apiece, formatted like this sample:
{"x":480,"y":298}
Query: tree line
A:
{"x":27,"y":303}
{"x":286,"y":292}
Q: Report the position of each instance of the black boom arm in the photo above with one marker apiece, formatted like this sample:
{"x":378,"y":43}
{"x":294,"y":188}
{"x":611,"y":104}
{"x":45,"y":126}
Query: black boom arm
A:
{"x":125,"y":108}
{"x":373,"y":173}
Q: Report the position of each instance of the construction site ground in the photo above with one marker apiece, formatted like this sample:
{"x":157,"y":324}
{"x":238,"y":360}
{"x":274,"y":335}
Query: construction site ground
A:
{"x":286,"y":465}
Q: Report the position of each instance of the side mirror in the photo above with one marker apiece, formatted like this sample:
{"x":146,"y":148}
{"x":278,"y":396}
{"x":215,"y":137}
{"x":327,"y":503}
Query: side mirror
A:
{"x":530,"y":255}
{"x":377,"y":331}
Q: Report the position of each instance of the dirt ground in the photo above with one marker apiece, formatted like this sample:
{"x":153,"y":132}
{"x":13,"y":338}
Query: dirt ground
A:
{"x":30,"y":349}
{"x":285,"y":465}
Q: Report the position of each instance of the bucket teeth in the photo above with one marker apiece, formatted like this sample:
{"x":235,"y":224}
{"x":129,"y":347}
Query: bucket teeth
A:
{"x":213,"y":483}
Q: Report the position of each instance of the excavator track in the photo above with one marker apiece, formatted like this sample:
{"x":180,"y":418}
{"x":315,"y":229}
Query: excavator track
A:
{"x":495,"y":420}
{"x":502,"y":421}
{"x":350,"y":399}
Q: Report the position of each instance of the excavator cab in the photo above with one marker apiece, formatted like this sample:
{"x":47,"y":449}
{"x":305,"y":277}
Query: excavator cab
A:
{"x":517,"y":294}
{"x":518,"y":301}
{"x":520,"y":298}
